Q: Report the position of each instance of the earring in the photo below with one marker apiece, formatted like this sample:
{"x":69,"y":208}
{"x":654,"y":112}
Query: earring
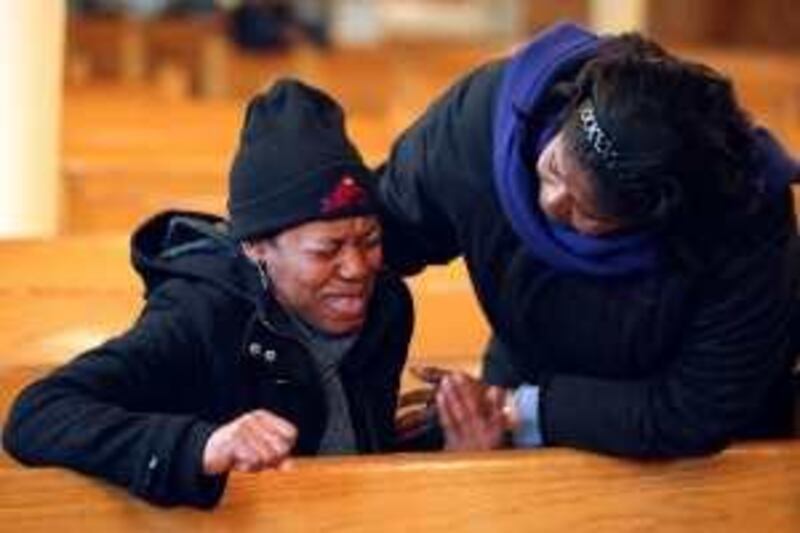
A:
{"x":261,"y":266}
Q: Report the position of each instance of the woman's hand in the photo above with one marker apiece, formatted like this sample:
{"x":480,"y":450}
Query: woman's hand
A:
{"x":417,"y":407}
{"x":471,"y":413}
{"x":255,"y":441}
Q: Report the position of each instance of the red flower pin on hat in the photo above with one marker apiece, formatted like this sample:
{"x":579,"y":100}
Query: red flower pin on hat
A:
{"x":347,"y":193}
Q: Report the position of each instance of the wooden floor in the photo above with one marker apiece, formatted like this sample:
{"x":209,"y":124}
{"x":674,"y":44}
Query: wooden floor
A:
{"x":131,"y":149}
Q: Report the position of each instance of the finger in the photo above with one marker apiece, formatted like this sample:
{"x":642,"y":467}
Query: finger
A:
{"x":274,"y":422}
{"x":245,"y":456}
{"x":494,"y":421}
{"x":412,"y":434}
{"x":462,"y":426}
{"x":429,"y":374}
{"x":271,"y":444}
{"x":281,"y":446}
{"x":446,"y":420}
{"x":415,"y":422}
{"x":271,"y":430}
{"x":467,"y":399}
{"x":495,"y":430}
{"x":448,"y":404}
{"x":410,"y":420}
{"x":219,"y":464}
{"x":495,"y":401}
{"x":218,"y":451}
{"x":264,"y":449}
{"x":465,"y":402}
{"x":247,"y":465}
{"x":416,"y":396}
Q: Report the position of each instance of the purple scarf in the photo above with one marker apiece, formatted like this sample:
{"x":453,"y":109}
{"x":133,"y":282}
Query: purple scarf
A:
{"x":528,"y":77}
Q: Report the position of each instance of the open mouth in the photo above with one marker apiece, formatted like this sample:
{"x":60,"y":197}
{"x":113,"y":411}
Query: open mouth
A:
{"x":349,"y":306}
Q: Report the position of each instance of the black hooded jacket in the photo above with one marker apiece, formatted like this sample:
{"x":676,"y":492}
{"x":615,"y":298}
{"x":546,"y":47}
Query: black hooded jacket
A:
{"x":208,"y":346}
{"x":677,"y":362}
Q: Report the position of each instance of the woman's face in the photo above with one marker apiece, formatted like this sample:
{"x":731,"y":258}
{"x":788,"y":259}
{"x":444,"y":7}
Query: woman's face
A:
{"x":565,"y":191}
{"x":324,"y":271}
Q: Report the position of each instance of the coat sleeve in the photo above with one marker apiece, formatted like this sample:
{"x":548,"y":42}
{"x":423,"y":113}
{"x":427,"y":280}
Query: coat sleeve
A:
{"x":104,"y":414}
{"x":735,"y":348}
{"x":425,"y":169}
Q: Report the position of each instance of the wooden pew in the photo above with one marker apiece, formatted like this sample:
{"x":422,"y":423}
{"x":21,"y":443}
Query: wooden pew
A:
{"x":748,"y":488}
{"x":89,"y":263}
{"x":60,"y":297}
{"x":130,"y":49}
{"x":110,"y":46}
{"x":128,"y":154}
{"x":195,"y":44}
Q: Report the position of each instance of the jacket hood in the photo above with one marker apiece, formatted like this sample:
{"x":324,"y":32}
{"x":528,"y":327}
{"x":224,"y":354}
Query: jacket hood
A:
{"x":195,"y":246}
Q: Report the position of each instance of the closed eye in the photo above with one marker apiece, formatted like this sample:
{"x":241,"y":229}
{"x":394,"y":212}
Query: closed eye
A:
{"x":325,"y":251}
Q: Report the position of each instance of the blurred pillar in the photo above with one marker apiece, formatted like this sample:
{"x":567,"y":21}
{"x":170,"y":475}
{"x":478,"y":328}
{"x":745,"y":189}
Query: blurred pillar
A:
{"x":31,"y":59}
{"x":614,"y":16}
{"x":356,"y":22}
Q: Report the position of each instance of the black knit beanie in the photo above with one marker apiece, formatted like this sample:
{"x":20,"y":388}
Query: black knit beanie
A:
{"x":294,"y":164}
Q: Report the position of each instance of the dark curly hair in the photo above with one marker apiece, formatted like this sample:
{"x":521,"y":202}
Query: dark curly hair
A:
{"x":664,"y":140}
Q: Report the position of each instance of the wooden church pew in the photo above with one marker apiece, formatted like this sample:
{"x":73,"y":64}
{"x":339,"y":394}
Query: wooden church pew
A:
{"x":750,"y":487}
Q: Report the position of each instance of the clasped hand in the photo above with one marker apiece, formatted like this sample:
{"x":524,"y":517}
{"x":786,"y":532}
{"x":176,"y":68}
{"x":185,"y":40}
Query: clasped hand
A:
{"x":471,"y":413}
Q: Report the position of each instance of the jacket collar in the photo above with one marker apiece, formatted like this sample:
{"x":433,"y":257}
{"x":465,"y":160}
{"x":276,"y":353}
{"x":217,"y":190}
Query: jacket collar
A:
{"x":271,"y":314}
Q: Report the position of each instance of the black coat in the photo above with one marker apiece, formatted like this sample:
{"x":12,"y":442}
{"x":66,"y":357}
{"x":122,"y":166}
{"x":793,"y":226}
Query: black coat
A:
{"x":673,"y":363}
{"x":207,"y":347}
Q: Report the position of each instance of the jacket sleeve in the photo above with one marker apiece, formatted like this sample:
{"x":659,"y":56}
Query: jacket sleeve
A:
{"x":734,"y":349}
{"x":121,"y":412}
{"x":425,"y":169}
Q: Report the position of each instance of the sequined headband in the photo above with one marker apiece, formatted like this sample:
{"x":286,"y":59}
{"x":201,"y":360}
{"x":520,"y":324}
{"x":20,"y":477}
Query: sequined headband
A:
{"x":597,"y":139}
